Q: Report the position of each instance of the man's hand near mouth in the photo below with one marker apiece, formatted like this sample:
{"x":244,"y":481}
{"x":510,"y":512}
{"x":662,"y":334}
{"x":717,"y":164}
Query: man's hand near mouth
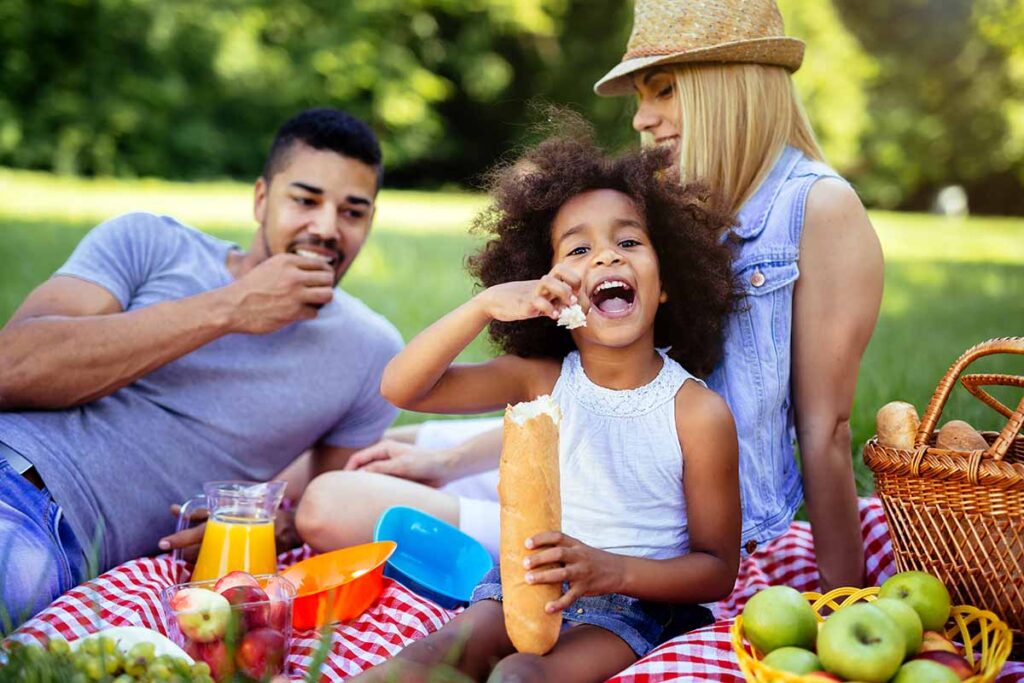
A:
{"x":283,"y":289}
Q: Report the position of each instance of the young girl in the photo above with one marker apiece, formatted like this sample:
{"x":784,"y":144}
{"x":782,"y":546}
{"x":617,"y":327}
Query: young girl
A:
{"x":648,"y":454}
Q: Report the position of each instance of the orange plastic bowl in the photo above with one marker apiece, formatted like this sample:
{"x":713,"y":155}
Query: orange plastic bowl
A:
{"x":339,"y":585}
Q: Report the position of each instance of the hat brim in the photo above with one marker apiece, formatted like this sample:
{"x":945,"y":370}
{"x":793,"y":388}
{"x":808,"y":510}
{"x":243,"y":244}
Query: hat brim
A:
{"x":781,"y":51}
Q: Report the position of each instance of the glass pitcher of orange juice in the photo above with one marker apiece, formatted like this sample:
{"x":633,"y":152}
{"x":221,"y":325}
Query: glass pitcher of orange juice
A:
{"x":239,"y":532}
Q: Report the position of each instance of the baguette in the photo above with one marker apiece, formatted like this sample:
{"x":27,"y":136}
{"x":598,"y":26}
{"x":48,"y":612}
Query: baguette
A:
{"x":897,"y":424}
{"x":528,"y":488}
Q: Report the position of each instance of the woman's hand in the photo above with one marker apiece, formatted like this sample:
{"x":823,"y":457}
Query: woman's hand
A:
{"x":560,"y":558}
{"x":512,"y":301}
{"x":403,"y":460}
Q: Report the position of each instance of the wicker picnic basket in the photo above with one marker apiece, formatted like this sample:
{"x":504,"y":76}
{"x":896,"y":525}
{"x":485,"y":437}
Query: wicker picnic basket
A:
{"x":960,"y":516}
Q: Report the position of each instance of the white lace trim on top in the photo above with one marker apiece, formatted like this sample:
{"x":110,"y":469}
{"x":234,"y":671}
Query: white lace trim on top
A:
{"x":622,"y":402}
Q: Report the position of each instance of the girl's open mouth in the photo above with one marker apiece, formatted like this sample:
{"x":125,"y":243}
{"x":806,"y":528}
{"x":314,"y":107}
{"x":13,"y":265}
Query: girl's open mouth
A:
{"x":613,"y":298}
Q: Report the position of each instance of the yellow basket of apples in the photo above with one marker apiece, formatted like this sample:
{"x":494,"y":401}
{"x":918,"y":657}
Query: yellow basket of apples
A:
{"x":905,"y":631}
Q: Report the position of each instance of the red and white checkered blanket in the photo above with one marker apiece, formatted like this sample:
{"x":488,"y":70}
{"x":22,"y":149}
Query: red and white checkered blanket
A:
{"x":129,"y":595}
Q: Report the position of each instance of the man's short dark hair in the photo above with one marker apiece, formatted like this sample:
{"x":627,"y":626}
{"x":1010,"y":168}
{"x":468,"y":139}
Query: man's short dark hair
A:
{"x":325,"y":129}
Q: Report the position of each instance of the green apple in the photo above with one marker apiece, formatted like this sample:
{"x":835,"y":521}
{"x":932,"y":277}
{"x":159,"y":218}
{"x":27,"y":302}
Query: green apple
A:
{"x":795,"y":660}
{"x":924,"y":671}
{"x":860,"y":642}
{"x":906,"y":618}
{"x":922,"y":591}
{"x":779,"y":616}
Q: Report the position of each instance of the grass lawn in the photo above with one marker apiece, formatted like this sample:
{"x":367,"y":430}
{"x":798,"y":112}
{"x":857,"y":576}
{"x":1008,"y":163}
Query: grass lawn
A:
{"x":949,"y":283}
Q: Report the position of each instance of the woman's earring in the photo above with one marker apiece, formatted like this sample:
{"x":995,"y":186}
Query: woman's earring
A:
{"x":663,"y":298}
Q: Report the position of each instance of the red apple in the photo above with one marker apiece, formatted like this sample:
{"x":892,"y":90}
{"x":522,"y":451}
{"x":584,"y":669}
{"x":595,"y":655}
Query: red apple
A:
{"x":261,"y":653}
{"x":202,"y":614}
{"x":280,"y":592}
{"x":251,"y":603}
{"x":232,"y":579}
{"x":955,"y":662}
{"x":218,"y":657}
{"x":193,"y":649}
{"x":934,"y":641}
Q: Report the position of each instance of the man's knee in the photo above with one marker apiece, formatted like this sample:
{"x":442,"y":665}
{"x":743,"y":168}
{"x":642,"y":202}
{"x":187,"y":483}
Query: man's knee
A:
{"x":30,"y":575}
{"x":519,"y":668}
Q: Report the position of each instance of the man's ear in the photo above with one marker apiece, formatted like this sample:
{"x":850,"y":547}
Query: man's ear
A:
{"x":259,"y":200}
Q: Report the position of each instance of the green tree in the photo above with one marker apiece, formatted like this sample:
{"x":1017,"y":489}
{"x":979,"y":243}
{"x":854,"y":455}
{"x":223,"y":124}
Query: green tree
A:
{"x":905,"y":95}
{"x":833,"y":80}
{"x":943,"y":100}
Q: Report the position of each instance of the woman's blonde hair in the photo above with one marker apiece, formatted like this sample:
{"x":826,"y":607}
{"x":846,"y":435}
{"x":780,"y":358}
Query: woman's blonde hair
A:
{"x":734,"y":121}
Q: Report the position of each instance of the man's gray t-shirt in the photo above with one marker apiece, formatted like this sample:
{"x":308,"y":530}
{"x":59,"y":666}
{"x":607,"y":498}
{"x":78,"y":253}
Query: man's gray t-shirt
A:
{"x":241,"y":407}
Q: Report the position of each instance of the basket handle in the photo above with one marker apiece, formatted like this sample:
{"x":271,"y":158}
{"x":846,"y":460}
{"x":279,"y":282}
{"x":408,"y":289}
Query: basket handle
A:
{"x":998,"y":449}
{"x":973,"y":384}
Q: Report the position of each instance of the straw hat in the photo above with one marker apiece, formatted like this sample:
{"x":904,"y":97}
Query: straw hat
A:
{"x":688,"y":31}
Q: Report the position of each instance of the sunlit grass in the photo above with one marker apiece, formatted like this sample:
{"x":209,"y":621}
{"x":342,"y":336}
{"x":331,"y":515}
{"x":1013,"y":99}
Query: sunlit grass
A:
{"x":924,"y":237}
{"x":27,"y":196}
{"x":950,"y":283}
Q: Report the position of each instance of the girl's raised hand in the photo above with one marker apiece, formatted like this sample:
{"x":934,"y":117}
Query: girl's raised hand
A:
{"x":527,"y":299}
{"x":560,"y":558}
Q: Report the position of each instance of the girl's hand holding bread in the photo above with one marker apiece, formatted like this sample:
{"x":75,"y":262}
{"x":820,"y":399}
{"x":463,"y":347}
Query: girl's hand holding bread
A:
{"x":560,"y":558}
{"x":523,"y":300}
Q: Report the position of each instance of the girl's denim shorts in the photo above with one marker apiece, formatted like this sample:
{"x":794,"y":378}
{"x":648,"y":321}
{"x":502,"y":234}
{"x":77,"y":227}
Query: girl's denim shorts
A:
{"x":643,"y":625}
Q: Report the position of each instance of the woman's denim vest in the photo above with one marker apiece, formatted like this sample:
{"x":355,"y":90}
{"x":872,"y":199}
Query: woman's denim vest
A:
{"x":754,"y":375}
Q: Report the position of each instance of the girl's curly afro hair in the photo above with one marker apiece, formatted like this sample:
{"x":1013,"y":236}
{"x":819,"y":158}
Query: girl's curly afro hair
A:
{"x":686,"y":231}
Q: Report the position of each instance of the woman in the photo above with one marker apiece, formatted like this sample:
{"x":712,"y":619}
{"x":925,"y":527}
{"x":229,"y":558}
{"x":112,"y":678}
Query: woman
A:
{"x":712,"y":81}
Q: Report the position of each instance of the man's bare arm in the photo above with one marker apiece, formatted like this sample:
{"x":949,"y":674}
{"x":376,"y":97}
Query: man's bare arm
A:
{"x":70,"y":343}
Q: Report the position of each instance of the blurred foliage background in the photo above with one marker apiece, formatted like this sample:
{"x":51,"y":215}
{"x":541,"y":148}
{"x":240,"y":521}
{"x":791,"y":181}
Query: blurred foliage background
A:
{"x":907,"y":95}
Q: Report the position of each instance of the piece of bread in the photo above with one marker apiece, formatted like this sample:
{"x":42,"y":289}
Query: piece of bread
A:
{"x":957,"y":435}
{"x":572,"y":317}
{"x":531,"y":502}
{"x":897,"y":424}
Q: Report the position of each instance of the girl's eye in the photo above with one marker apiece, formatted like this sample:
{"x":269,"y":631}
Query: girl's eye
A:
{"x":629,"y":243}
{"x":665,"y":92}
{"x":578,"y":251}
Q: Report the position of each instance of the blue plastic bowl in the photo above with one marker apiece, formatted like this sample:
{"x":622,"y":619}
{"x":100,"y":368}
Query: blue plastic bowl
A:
{"x":433,"y":558}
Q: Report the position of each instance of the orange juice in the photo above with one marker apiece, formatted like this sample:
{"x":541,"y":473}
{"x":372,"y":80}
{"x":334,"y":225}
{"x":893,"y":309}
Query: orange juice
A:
{"x":236,"y":544}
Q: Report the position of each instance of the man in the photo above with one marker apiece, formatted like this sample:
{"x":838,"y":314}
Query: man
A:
{"x":159,"y":357}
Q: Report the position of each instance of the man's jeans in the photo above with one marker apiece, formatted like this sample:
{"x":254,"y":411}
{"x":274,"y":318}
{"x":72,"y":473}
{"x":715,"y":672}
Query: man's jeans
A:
{"x":40,"y":558}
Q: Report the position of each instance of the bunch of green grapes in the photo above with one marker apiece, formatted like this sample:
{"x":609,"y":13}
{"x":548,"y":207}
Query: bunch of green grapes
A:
{"x":97,"y":659}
